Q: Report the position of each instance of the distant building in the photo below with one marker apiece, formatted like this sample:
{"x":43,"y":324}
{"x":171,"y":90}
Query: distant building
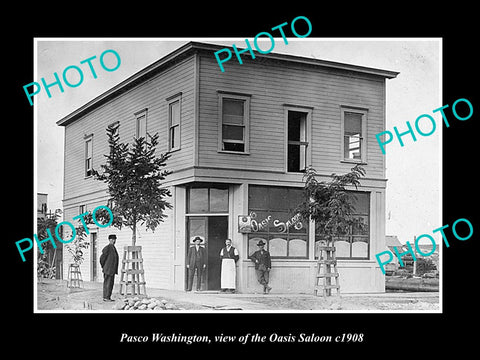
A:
{"x":42,"y":205}
{"x":427,"y":249}
{"x":392,"y":243}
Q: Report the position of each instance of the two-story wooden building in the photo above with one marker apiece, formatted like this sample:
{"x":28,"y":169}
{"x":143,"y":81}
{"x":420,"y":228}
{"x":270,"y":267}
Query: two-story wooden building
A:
{"x":239,"y":141}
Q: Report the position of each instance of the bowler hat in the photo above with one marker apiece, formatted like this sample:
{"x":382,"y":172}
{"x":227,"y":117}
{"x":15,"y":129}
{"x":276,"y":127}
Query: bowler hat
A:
{"x":198,"y":238}
{"x":112,"y":236}
{"x":260,"y":243}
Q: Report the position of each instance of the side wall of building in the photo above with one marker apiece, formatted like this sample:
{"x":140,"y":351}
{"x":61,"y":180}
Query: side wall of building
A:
{"x":176,"y":82}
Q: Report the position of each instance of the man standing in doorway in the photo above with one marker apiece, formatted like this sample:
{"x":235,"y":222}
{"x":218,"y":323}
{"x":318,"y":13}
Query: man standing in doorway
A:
{"x":196,"y":259}
{"x":229,"y":256}
{"x":109,"y":262}
{"x":263,"y":263}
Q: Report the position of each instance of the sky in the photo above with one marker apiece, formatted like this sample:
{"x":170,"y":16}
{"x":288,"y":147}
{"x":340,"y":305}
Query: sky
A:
{"x":413,"y":203}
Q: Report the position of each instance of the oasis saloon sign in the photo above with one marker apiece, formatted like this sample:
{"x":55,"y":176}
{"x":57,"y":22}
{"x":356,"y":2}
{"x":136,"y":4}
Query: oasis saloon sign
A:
{"x":250,"y":223}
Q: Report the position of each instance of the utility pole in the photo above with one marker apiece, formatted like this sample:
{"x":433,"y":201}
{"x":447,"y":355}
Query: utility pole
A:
{"x":415,"y":263}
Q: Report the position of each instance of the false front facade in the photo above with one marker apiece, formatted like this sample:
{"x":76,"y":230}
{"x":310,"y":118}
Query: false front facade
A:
{"x":239,"y":142}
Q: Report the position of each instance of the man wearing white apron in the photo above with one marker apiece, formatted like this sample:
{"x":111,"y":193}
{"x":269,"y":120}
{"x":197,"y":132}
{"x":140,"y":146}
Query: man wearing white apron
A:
{"x":229,"y":256}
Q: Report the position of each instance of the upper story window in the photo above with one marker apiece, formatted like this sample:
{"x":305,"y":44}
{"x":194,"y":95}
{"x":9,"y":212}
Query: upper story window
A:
{"x":88,"y":155}
{"x":354,"y":125}
{"x":174,"y":111}
{"x":234,"y":123}
{"x":141,"y":124}
{"x":297,"y":139}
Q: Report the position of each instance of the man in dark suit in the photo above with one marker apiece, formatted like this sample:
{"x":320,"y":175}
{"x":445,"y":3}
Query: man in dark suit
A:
{"x":196,"y":259}
{"x":263,"y":264}
{"x":109,"y":262}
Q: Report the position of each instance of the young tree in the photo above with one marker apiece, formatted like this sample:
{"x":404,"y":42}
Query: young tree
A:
{"x":46,"y":262}
{"x":45,"y":266}
{"x":328,"y":203}
{"x":134,"y":178}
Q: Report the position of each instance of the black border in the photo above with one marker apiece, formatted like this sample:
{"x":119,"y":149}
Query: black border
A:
{"x":99,"y":333}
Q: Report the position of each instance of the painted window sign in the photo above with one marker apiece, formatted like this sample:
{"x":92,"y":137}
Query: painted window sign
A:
{"x":274,"y":221}
{"x":281,"y":226}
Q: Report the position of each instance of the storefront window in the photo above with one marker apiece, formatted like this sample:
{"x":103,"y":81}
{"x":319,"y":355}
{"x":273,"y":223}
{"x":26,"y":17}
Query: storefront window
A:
{"x":356,"y":244}
{"x":275,"y":222}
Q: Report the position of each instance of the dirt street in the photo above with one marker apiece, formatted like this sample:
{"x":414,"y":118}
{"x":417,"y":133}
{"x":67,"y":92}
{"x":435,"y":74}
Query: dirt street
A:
{"x":55,"y":295}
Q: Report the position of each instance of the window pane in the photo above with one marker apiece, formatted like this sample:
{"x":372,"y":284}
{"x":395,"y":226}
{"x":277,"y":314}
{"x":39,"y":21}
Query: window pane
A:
{"x":297,"y":155}
{"x":278,"y":222}
{"x":252,"y":243}
{"x":198,"y":200}
{"x":361,"y":202}
{"x":360,"y":225}
{"x":175,"y":137}
{"x":277,"y":247}
{"x":360,"y":247}
{"x":175,"y":113}
{"x":218,"y":200}
{"x":232,"y":132}
{"x":293,"y":129}
{"x":260,"y":221}
{"x":196,"y":227}
{"x":257,"y":197}
{"x":297,"y":126}
{"x":298,"y":227}
{"x":353,"y":123}
{"x":297,"y":247}
{"x":232,"y":119}
{"x":352,"y":147}
{"x":233,"y":107}
{"x":295,"y":196}
{"x":342,"y":247}
{"x":234,"y":147}
{"x":278,"y":198}
{"x":293,"y":158}
{"x":89,"y":148}
{"x":142,"y":126}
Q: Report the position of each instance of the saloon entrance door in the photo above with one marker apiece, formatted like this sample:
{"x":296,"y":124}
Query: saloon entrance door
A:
{"x":214,"y":231}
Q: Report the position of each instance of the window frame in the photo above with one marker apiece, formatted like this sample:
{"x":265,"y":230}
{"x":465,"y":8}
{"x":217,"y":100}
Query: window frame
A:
{"x":139,"y":114}
{"x":308,"y":135}
{"x":363,"y":111}
{"x":170,"y":101}
{"x":88,"y":161}
{"x":350,"y":235}
{"x":246,"y":122}
{"x":209,"y":211}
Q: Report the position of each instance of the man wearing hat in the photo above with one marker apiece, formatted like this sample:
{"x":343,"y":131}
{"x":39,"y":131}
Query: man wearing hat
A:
{"x":196,"y":259}
{"x":109,"y":262}
{"x":263,"y":263}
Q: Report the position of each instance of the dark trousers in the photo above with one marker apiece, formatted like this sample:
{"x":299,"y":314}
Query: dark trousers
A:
{"x":108,"y":285}
{"x":191,"y":274}
{"x":263,"y":277}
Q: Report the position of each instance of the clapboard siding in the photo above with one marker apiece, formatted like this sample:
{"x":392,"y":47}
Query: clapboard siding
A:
{"x":272,"y":84}
{"x":156,"y":247}
{"x":152,"y":95}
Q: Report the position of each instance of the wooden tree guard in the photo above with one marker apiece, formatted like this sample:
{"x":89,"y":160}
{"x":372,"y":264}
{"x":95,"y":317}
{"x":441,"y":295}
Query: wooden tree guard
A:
{"x":326,"y":270}
{"x":74,"y":277}
{"x":132,"y":266}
